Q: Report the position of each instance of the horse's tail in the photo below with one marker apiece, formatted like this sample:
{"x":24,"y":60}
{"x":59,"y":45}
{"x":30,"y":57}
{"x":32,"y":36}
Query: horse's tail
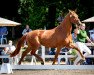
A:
{"x":20,"y":42}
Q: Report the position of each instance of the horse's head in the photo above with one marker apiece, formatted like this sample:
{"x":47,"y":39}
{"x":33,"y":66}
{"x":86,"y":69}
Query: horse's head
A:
{"x":74,"y":17}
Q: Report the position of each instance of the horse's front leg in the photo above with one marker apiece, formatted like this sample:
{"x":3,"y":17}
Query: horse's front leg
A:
{"x":75,"y":47}
{"x":56,"y":55}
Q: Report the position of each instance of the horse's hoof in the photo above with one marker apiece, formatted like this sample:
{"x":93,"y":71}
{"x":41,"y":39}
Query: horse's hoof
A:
{"x":19,"y":63}
{"x":83,"y":58}
{"x":81,"y":61}
{"x":53,"y":64}
{"x":42,"y":63}
{"x":11,"y":55}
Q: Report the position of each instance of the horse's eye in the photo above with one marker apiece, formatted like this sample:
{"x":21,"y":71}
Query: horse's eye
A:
{"x":70,"y":15}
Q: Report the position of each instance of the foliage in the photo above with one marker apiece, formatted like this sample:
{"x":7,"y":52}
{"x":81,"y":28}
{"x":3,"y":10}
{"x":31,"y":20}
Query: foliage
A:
{"x":35,"y":12}
{"x":32,"y":13}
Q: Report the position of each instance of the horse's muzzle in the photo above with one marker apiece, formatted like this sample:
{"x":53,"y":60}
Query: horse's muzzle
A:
{"x":79,"y":23}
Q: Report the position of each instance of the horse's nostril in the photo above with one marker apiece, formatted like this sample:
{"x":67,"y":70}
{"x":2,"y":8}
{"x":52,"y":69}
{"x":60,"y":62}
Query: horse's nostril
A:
{"x":79,"y":22}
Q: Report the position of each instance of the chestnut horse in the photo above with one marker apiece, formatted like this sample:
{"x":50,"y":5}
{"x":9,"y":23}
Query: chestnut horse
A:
{"x":57,"y":37}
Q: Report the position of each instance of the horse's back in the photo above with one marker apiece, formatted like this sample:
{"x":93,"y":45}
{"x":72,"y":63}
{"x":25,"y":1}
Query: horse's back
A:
{"x":48,"y":38}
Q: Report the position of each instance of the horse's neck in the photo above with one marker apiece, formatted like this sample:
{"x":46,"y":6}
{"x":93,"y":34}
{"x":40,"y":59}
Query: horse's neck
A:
{"x":66,"y":24}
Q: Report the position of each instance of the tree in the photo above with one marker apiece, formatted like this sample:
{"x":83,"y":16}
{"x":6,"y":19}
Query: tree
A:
{"x":40,"y":13}
{"x":32,"y":13}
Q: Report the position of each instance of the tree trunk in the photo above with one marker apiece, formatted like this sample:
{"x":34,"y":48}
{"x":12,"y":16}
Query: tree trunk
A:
{"x":51,"y":16}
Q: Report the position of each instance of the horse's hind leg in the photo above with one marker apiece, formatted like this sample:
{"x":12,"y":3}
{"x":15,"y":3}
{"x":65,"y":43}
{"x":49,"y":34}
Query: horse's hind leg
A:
{"x":24,"y":54}
{"x":36,"y":55}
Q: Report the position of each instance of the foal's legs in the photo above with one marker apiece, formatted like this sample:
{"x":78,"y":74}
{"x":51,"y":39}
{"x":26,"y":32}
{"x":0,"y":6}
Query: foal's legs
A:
{"x":74,"y":47}
{"x":56,"y":55}
{"x":24,"y":54}
{"x":36,"y":55}
{"x":81,"y":56}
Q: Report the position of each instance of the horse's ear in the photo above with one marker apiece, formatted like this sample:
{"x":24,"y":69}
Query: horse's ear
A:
{"x":70,"y":11}
{"x":75,"y":10}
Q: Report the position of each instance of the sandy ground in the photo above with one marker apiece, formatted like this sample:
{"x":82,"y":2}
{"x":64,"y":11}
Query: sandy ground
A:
{"x":52,"y":72}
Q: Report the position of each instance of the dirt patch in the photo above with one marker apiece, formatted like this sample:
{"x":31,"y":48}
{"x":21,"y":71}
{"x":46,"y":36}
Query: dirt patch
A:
{"x":52,"y":72}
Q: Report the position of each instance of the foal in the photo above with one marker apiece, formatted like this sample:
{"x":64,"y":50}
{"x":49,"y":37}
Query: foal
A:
{"x":57,"y":37}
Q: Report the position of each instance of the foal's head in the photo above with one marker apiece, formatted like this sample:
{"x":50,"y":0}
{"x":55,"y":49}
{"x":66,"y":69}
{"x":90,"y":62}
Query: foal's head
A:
{"x":74,"y":18}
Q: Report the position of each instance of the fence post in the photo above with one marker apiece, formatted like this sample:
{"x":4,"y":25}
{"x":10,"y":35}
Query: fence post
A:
{"x":43,"y":53}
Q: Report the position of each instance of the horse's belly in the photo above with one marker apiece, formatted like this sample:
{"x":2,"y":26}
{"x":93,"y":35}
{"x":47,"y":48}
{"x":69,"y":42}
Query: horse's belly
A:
{"x":48,"y":43}
{"x":52,"y":43}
